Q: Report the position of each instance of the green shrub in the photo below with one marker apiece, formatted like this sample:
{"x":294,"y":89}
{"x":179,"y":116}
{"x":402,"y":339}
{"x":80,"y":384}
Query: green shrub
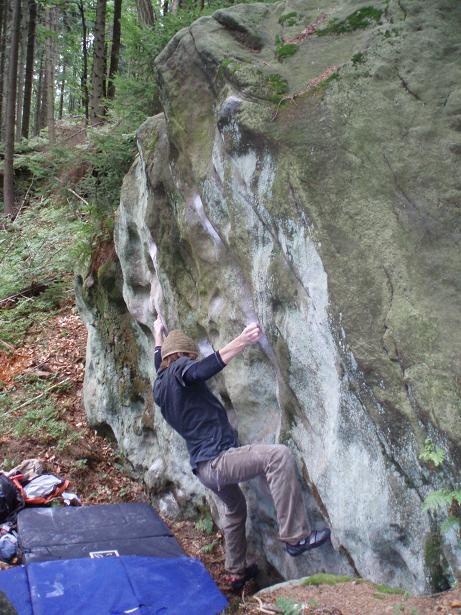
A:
{"x":209,"y":547}
{"x":277,"y":86}
{"x":358,"y":58}
{"x":288,"y":606}
{"x":109,"y":157}
{"x":205,"y":524}
{"x":284,"y":50}
{"x":288,"y":19}
{"x":35,"y":253}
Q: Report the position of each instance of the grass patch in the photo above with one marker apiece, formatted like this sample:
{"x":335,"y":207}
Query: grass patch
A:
{"x":205,"y":525}
{"x":38,"y":254}
{"x":358,"y":58}
{"x":37,"y":245}
{"x":288,"y":606}
{"x":16,"y":320}
{"x":254,"y":81}
{"x":285,"y":50}
{"x":209,"y":547}
{"x":386,"y":589}
{"x":358,"y":20}
{"x":232,"y":68}
{"x":288,"y":19}
{"x":278,"y":86}
{"x":39,"y":420}
{"x":323,"y":578}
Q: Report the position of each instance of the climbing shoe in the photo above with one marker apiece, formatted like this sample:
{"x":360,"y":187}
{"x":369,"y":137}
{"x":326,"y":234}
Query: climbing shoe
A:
{"x":314,"y":540}
{"x":235,"y":583}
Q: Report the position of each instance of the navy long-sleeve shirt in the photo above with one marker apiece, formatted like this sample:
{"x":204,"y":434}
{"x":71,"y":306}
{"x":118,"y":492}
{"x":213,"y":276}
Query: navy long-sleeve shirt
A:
{"x":190,"y":407}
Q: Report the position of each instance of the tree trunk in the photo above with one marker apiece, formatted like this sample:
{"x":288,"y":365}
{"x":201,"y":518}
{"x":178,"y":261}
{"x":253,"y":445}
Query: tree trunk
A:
{"x":165,"y":7}
{"x":50,"y":23}
{"x":72,"y":103}
{"x":8,"y":179}
{"x":115,"y":51}
{"x":104,"y":81}
{"x":61,"y":94}
{"x":29,"y":68}
{"x":21,"y":70}
{"x":146,"y":15}
{"x":4,"y":75}
{"x":96,"y":103}
{"x":39,"y":96}
{"x":43,"y":97}
{"x":84,"y":78}
{"x":3,"y":20}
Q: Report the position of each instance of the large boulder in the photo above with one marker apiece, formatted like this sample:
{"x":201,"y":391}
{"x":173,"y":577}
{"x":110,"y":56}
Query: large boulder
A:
{"x":305,"y":174}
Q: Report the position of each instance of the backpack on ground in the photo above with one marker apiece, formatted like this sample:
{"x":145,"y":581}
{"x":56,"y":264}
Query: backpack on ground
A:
{"x":11,"y":500}
{"x":41,"y":489}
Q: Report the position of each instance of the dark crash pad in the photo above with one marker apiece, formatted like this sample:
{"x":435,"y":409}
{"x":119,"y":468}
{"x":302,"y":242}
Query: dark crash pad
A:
{"x":93,"y":531}
{"x":113,"y":586}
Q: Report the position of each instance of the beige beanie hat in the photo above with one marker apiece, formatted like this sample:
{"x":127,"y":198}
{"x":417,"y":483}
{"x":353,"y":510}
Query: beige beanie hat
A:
{"x":177,"y":341}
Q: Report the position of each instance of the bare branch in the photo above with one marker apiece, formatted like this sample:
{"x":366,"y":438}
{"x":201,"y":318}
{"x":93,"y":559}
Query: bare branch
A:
{"x":24,"y":200}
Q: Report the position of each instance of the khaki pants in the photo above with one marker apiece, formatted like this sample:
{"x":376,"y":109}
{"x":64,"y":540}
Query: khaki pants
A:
{"x":238,"y":465}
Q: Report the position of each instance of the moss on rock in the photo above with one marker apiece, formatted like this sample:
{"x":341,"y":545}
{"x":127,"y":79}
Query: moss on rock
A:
{"x":358,"y":20}
{"x":436,"y":562}
{"x":324,"y":578}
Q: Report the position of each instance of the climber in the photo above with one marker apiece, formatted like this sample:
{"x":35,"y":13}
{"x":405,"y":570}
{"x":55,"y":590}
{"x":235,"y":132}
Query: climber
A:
{"x":216,"y":458}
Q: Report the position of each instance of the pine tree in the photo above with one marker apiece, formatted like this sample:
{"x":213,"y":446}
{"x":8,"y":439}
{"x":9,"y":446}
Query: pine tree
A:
{"x":8,"y":179}
{"x":29,"y":73}
{"x":115,"y":51}
{"x":97,"y":110}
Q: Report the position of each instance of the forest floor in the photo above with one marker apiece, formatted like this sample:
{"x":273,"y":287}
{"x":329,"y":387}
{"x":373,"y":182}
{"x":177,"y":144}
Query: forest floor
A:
{"x":49,"y":367}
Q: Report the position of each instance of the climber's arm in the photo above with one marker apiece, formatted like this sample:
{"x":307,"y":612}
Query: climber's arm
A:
{"x":250,"y":335}
{"x":214,"y":363}
{"x":159,"y":333}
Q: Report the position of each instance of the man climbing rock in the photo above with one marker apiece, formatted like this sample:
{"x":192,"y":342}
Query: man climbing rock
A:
{"x":216,"y":458}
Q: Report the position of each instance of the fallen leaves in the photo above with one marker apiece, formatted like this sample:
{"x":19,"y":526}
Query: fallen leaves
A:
{"x":55,"y":354}
{"x":309,"y":30}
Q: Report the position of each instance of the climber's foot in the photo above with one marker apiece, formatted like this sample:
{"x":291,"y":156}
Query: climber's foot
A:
{"x":314,"y":540}
{"x":235,"y":583}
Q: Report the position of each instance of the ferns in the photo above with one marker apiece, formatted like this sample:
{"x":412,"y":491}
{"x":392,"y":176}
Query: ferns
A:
{"x":432,"y":454}
{"x":442,"y":498}
{"x":448,"y":500}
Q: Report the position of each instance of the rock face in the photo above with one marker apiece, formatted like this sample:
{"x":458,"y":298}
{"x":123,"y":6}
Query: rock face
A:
{"x":309,"y":180}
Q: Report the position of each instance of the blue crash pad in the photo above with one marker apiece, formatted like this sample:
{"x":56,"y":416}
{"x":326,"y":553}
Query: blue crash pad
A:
{"x":14,"y":584}
{"x":68,"y":532}
{"x":113,"y":586}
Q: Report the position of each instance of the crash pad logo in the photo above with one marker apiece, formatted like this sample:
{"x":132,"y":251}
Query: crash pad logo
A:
{"x":101,"y":554}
